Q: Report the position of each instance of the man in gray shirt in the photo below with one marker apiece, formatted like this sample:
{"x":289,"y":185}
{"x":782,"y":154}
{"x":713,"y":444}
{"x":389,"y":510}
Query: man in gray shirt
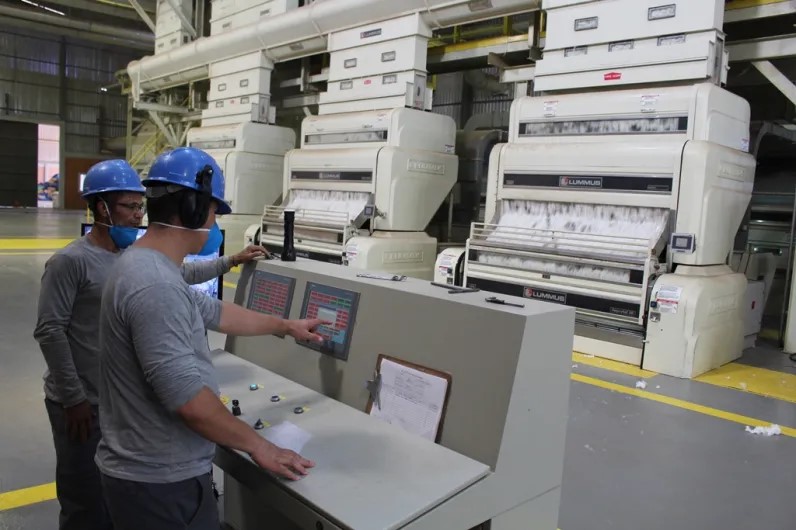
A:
{"x":160,"y":411}
{"x":68,"y":333}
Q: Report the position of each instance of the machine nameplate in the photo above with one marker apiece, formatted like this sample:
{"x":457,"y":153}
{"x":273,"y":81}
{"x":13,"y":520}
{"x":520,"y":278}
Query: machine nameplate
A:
{"x":579,"y":301}
{"x":358,"y":176}
{"x":603,"y":182}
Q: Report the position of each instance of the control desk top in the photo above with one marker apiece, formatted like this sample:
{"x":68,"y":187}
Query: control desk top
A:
{"x":367,"y":474}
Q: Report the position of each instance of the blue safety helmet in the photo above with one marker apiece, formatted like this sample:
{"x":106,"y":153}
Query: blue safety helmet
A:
{"x":182,"y":167}
{"x":111,"y":175}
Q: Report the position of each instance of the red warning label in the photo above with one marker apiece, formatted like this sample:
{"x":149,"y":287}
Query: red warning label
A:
{"x":612,"y":76}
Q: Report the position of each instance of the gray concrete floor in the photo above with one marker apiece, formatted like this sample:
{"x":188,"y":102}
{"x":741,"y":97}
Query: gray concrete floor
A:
{"x":631,"y":463}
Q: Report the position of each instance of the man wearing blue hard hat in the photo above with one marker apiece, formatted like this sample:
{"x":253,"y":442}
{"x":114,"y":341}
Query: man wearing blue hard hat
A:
{"x":160,"y":411}
{"x":67,"y":330}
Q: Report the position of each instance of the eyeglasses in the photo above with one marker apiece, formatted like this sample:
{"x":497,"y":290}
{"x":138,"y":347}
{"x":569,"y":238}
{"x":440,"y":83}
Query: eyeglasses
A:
{"x":134,"y":206}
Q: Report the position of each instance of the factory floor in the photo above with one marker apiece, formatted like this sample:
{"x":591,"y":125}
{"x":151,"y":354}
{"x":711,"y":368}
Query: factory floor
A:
{"x":672,"y":454}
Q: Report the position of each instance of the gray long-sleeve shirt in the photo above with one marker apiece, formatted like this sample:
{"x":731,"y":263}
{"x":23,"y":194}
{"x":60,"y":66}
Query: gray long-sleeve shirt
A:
{"x":67,"y":329}
{"x":154,"y":358}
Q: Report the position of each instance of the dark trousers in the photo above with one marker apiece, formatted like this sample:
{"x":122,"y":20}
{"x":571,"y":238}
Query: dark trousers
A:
{"x":188,"y":504}
{"x":77,"y":479}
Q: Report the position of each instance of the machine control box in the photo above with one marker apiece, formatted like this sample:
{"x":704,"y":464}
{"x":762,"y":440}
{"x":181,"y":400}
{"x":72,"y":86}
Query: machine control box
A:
{"x":334,"y":305}
{"x":683,"y":243}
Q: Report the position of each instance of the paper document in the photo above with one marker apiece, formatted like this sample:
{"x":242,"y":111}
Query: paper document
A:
{"x":410,"y":399}
{"x":287,"y":436}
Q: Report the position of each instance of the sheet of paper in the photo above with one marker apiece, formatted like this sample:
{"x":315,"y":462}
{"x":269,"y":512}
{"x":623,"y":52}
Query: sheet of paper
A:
{"x":287,"y":436}
{"x":410,"y":399}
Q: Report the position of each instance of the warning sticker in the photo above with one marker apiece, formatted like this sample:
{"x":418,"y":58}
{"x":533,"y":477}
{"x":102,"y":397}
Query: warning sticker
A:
{"x":351,"y":252}
{"x":550,"y":108}
{"x":668,"y":298}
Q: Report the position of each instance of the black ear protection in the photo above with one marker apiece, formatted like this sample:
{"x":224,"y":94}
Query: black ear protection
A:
{"x":195,"y":205}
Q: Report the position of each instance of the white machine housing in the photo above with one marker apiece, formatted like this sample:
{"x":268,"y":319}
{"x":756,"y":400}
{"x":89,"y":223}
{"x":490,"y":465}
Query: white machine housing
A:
{"x":599,"y":44}
{"x":228,"y":15}
{"x":251,"y":156}
{"x":365,"y":186}
{"x":598,"y":197}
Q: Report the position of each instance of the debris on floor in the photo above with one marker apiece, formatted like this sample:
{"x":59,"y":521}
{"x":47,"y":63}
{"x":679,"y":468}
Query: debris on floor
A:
{"x":771,"y":430}
{"x":641,"y":384}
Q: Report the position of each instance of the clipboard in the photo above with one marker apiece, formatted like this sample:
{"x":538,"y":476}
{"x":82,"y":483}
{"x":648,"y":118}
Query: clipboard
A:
{"x":438,"y":378}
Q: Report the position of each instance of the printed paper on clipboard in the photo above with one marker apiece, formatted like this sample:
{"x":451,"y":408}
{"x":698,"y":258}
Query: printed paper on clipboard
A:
{"x":411,"y":397}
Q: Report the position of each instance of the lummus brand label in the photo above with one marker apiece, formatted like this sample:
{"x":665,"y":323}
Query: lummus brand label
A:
{"x":422,"y":166}
{"x":545,"y":296}
{"x":580,"y":182}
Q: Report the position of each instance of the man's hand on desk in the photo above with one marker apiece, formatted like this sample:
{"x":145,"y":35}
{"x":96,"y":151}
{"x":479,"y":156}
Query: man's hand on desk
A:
{"x":248,"y":254}
{"x":305,"y":329}
{"x":282,"y":462}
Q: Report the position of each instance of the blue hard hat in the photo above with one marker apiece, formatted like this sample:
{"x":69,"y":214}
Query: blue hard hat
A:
{"x":182,"y":166}
{"x":111,"y":175}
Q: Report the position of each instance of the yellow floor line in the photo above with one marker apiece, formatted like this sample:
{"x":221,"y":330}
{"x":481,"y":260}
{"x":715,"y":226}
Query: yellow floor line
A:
{"x":38,"y":253}
{"x":760,"y":381}
{"x":231,"y":285}
{"x":46,"y":492}
{"x":613,"y":366}
{"x":679,"y":403}
{"x":27,"y":496}
{"x":33,"y":244}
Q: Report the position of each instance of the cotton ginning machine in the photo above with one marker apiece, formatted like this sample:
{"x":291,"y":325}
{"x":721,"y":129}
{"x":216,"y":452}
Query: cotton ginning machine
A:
{"x":623,"y":204}
{"x":364,"y":186}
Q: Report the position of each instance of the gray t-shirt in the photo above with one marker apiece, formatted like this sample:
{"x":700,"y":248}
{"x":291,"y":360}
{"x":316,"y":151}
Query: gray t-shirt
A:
{"x":154,"y":359}
{"x":67,"y":328}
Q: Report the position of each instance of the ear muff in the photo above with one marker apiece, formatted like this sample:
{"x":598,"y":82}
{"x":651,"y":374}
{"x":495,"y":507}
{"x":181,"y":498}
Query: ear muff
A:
{"x":195,"y":205}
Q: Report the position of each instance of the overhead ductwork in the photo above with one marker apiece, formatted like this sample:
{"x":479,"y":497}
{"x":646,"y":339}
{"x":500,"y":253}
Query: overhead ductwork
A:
{"x":79,"y":28}
{"x":303,"y":32}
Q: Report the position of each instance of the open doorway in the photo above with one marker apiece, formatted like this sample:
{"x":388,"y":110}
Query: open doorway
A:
{"x":49,"y":160}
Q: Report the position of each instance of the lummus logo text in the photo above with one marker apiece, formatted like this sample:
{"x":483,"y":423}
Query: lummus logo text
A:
{"x":547,"y":296}
{"x":580,"y":182}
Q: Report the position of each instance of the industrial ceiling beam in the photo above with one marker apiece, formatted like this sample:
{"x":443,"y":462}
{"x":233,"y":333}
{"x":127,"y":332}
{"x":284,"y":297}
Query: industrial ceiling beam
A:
{"x":143,"y":14}
{"x":777,"y":78}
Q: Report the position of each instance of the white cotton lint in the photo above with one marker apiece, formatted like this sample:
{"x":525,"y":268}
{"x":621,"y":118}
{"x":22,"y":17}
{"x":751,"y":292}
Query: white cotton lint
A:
{"x":349,"y":203}
{"x":601,"y":231}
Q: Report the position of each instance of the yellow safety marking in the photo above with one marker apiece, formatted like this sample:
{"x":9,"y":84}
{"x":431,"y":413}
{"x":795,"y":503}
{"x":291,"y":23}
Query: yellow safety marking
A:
{"x":33,"y":244}
{"x":231,"y":285}
{"x":236,"y":269}
{"x":480,"y":43}
{"x":769,"y":334}
{"x":23,"y":497}
{"x":760,"y":381}
{"x":679,"y":403}
{"x":614,"y":366}
{"x":43,"y":253}
{"x":46,"y":492}
{"x":743,"y":4}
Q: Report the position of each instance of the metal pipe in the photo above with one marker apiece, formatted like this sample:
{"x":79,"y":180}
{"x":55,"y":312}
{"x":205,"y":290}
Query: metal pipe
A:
{"x":302,"y":32}
{"x":49,"y":29}
{"x":786,"y":298}
{"x":80,"y":25}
